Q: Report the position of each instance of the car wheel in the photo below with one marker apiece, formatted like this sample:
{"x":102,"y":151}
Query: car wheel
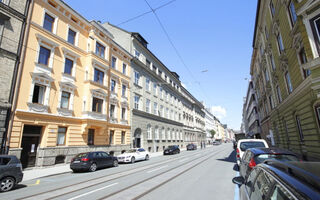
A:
{"x":133,"y":160}
{"x":75,"y":171}
{"x":147,"y":157}
{"x":115,"y":163}
{"x":93,"y":167}
{"x":7,"y":184}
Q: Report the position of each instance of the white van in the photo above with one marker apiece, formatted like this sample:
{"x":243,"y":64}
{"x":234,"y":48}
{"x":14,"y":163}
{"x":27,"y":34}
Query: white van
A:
{"x":245,"y":144}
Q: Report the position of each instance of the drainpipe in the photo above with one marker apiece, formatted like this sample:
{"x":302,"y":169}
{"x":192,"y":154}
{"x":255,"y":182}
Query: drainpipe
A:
{"x":18,"y":70}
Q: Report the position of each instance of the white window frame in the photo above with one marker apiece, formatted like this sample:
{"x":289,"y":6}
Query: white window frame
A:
{"x":41,"y":40}
{"x":148,"y":106}
{"x":149,"y":132}
{"x":55,"y":23}
{"x":96,"y":66}
{"x":311,"y":36}
{"x":76,"y":39}
{"x":73,"y":57}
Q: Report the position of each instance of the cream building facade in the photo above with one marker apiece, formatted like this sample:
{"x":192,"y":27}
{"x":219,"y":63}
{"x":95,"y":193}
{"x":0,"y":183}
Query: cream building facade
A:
{"x":74,"y":91}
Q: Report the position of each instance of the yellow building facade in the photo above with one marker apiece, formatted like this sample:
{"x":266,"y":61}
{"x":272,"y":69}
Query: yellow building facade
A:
{"x":74,"y":91}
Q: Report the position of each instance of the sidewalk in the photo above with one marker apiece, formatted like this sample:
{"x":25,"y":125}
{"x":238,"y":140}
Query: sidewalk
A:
{"x":38,"y":172}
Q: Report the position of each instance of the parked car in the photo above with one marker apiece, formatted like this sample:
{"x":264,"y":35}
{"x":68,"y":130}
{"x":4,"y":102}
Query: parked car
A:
{"x":191,"y":147}
{"x":254,"y":156}
{"x":281,"y":180}
{"x":245,"y":144}
{"x":91,"y":161}
{"x":133,"y":155}
{"x":10,"y":172}
{"x":216,"y":143}
{"x":172,"y":149}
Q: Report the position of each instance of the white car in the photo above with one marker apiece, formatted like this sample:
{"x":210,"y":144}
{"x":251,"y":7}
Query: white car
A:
{"x":245,"y":144}
{"x":133,"y":155}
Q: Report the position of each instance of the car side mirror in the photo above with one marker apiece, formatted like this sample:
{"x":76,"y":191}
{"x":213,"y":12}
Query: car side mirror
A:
{"x":239,"y":180}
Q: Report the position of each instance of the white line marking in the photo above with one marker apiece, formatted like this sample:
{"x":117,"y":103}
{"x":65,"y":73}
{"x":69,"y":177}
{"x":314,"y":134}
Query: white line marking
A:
{"x":157,"y":169}
{"x":184,"y":159}
{"x":76,"y":197}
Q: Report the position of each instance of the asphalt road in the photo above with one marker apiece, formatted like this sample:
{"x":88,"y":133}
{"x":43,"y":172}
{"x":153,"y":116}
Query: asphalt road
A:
{"x":201,"y":174}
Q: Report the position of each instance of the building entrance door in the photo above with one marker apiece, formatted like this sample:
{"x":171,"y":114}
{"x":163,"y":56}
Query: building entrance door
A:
{"x":30,"y":141}
{"x":137,"y":138}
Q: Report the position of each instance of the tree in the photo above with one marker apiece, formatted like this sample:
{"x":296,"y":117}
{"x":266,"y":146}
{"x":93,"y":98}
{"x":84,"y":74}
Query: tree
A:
{"x":213,"y":132}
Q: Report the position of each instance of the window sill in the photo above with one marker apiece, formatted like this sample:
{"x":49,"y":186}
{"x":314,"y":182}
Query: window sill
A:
{"x":43,"y":67}
{"x":137,"y":85}
{"x":65,"y":112}
{"x":38,"y":107}
{"x":98,"y":84}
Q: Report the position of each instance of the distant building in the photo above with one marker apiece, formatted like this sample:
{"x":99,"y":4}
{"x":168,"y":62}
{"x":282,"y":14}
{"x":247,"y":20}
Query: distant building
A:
{"x":209,"y":124}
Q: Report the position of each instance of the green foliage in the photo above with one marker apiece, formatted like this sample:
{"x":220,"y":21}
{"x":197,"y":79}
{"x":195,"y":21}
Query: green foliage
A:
{"x":213,"y":132}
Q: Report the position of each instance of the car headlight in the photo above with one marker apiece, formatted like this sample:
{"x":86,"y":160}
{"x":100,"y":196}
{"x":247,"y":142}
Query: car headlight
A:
{"x":128,"y":156}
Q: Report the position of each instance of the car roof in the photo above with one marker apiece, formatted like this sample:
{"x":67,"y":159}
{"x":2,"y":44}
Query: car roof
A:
{"x":304,"y":177}
{"x":7,"y":156}
{"x":251,"y":140}
{"x":271,"y":150}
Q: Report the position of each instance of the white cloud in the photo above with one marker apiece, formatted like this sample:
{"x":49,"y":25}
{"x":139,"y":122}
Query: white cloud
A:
{"x":219,"y":111}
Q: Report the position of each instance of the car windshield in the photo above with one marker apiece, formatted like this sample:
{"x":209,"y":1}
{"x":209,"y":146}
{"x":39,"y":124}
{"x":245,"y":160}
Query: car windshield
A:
{"x":131,"y":151}
{"x":283,"y":157}
{"x":247,"y":145}
{"x":171,"y":147}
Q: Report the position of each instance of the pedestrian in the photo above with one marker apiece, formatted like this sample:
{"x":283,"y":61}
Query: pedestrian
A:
{"x":201,"y":145}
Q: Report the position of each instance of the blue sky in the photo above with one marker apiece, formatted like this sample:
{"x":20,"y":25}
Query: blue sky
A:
{"x":209,"y":35}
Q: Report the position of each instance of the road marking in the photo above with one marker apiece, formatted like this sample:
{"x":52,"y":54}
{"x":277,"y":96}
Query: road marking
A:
{"x":36,"y":183}
{"x":184,"y":159}
{"x":81,"y":195}
{"x":236,"y":190}
{"x":157,"y":169}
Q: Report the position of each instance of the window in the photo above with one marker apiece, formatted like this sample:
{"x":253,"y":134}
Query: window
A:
{"x":147,"y":105}
{"x":112,"y":109}
{"x":279,"y":94}
{"x":303,"y":60}
{"x":61,"y":139}
{"x":68,"y":65}
{"x":90,"y":137}
{"x":293,"y":15}
{"x":273,"y":65}
{"x":154,"y":68}
{"x":272,"y":9}
{"x":124,"y":90}
{"x":71,"y":36}
{"x":123,"y":137}
{"x":155,"y":88}
{"x":161,"y":92}
{"x":266,"y":75}
{"x":113,"y":62}
{"x":149,"y":132}
{"x":262,"y":186}
{"x":280,"y":43}
{"x":167,"y":113}
{"x":315,"y":26}
{"x":147,"y":84}
{"x":266,"y":33}
{"x":156,"y":131}
{"x":148,"y":63}
{"x":113,"y":86}
{"x":137,"y":53}
{"x":100,"y":49}
{"x":136,"y":77}
{"x":124,"y":69}
{"x":48,"y":22}
{"x":98,"y":76}
{"x":44,"y":56}
{"x":97,"y":105}
{"x":280,"y":192}
{"x":288,"y":81}
{"x":271,"y":102}
{"x":111,"y":137}
{"x":155,"y":108}
{"x":38,"y":94}
{"x":136,"y":102}
{"x":299,"y":128}
{"x":123,"y":113}
{"x":65,"y":99}
{"x":161,"y":110}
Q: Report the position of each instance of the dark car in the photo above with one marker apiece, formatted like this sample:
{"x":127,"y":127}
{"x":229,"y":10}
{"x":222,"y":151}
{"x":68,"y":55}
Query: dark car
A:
{"x":172,"y":149}
{"x":216,"y":143}
{"x":281,"y":180}
{"x":191,"y":147}
{"x":254,"y":156}
{"x":91,"y":161}
{"x":10,"y":172}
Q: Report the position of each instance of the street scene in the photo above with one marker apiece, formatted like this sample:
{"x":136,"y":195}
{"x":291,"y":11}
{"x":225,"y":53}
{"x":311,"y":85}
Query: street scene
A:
{"x":159,"y":99}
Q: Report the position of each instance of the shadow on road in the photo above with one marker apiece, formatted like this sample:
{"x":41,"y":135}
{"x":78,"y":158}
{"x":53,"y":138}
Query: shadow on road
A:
{"x":230,"y":158}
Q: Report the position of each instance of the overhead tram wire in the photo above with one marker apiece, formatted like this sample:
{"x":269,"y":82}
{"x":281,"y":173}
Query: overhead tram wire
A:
{"x":138,"y":16}
{"x":174,"y":47}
